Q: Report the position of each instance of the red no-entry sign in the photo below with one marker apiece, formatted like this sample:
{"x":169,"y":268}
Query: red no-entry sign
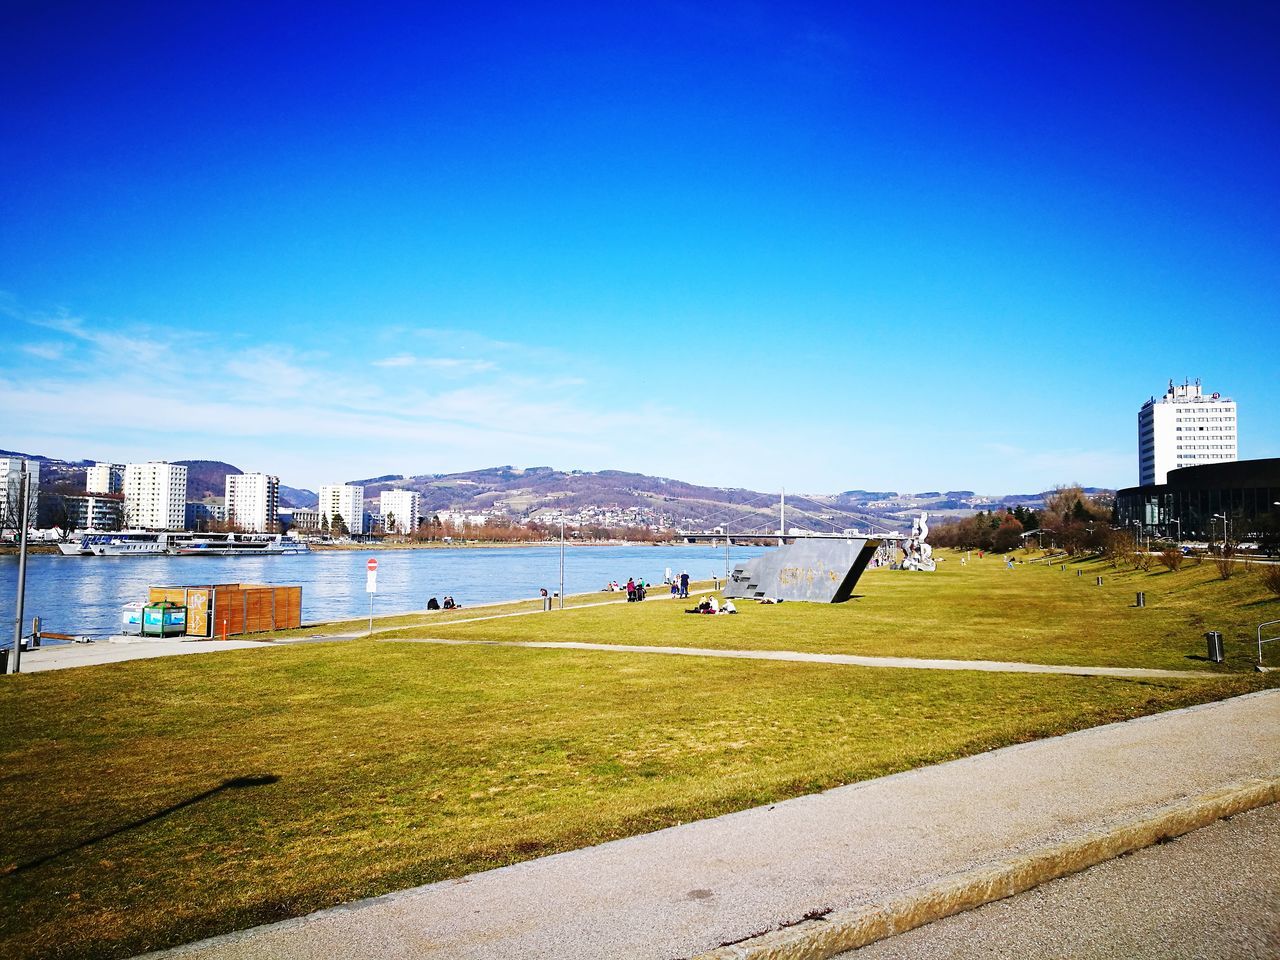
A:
{"x":372,"y":564}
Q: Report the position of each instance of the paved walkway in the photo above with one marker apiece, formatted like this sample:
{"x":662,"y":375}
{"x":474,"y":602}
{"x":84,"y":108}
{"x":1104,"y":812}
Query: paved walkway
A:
{"x":1213,"y":894}
{"x":64,"y":656}
{"x":688,"y":889}
{"x":908,"y":663}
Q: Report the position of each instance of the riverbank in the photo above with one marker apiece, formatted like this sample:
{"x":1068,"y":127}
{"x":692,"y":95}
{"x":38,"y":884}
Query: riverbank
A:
{"x":11,"y":549}
{"x":487,"y":544}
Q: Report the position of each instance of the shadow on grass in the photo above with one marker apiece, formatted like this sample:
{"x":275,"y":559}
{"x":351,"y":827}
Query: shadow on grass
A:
{"x":234,"y":783}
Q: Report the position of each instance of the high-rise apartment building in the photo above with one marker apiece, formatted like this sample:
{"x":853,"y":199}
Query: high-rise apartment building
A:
{"x":104,"y":478}
{"x":345,"y":500}
{"x":400,"y":510}
{"x":253,"y":501}
{"x":1184,"y":428}
{"x":155,"y":495}
{"x":11,"y":491}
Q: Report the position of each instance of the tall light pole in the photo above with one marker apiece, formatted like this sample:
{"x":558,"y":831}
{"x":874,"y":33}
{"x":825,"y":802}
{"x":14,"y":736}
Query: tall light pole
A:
{"x":1178,"y":542}
{"x":24,"y":507}
{"x":562,"y":563}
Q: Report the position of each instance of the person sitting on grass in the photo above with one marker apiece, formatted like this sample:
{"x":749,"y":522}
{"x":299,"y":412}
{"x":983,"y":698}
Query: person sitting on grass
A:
{"x":433,"y":604}
{"x":728,"y":607}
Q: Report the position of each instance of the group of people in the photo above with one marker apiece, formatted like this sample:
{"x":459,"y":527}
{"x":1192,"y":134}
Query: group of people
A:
{"x":679,"y":584}
{"x":449,"y":604}
{"x":713,"y":606}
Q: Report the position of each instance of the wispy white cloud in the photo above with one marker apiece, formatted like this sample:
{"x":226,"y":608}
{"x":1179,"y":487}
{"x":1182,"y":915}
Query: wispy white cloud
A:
{"x":45,"y":351}
{"x":271,"y":371}
{"x":445,"y":364}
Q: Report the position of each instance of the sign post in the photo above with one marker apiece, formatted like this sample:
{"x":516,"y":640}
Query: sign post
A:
{"x":371,"y":587}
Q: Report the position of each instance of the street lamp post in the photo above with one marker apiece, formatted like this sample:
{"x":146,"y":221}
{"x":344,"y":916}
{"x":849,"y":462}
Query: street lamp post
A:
{"x":562,"y":563}
{"x":24,"y":510}
{"x":1226,"y":530}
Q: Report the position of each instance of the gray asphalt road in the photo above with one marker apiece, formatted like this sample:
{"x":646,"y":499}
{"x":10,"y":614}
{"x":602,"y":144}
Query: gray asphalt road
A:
{"x":1213,"y":894}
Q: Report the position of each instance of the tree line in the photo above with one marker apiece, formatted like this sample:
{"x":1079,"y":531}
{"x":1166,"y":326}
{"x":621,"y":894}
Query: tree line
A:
{"x":1070,"y":519}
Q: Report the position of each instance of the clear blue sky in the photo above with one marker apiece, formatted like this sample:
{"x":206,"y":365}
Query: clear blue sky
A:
{"x":928,"y":246}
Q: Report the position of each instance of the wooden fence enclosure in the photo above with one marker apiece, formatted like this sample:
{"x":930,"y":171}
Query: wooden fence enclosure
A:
{"x":231,"y":609}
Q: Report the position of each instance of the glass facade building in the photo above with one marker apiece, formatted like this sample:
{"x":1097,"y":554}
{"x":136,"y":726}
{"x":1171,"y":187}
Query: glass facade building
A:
{"x":1186,"y":504}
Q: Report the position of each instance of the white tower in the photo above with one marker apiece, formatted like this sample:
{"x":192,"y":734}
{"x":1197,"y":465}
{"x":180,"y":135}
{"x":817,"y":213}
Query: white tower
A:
{"x":1184,"y":428}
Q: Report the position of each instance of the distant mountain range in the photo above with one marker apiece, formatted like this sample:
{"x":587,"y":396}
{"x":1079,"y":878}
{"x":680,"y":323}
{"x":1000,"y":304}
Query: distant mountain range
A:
{"x":531,"y":492}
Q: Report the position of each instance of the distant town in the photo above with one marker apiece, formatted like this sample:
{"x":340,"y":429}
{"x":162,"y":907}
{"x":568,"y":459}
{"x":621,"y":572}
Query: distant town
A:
{"x":499,"y":503}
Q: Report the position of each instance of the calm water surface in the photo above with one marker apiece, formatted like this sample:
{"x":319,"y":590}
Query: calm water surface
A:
{"x":83,"y":595}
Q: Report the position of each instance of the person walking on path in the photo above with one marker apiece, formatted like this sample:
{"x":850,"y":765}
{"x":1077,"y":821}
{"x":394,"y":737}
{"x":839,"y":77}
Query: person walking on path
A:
{"x":684,"y":583}
{"x":631,"y":590}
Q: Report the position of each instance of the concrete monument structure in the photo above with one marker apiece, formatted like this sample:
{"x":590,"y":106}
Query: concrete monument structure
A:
{"x":812,"y":569}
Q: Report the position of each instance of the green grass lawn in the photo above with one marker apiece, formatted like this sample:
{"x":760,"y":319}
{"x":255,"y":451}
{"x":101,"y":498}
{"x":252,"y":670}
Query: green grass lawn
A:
{"x":979,"y":611}
{"x":374,"y":766}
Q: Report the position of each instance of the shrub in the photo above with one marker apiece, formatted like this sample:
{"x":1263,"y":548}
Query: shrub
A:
{"x":1270,"y":576}
{"x":1171,"y":558}
{"x":1225,"y":563}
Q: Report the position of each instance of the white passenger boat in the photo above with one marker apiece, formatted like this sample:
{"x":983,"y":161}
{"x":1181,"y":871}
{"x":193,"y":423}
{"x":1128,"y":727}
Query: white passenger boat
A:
{"x":137,"y":543}
{"x":125,"y":543}
{"x":235,"y":545}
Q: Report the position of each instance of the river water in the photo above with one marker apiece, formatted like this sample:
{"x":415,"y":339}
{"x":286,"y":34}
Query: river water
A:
{"x":83,"y":595}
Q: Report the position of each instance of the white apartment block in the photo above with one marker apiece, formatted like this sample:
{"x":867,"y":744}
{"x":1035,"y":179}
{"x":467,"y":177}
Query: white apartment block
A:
{"x":253,"y":501}
{"x":104,"y":478}
{"x":400,"y":510}
{"x":11,"y":492}
{"x":1184,"y":428}
{"x":345,"y":500}
{"x":155,"y":495}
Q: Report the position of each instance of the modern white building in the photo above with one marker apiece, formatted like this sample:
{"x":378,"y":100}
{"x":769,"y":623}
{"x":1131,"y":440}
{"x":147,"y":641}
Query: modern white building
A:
{"x":400,"y":510}
{"x":11,"y":492}
{"x":155,"y":495}
{"x":1184,"y":428}
{"x":345,"y":500}
{"x":252,"y":501}
{"x":104,"y":478}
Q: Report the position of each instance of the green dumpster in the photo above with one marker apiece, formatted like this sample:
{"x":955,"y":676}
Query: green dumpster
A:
{"x":164,"y":619}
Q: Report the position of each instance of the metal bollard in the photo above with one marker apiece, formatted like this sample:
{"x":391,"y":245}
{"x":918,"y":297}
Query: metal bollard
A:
{"x":1215,"y":646}
{"x":1142,"y":599}
{"x":1079,"y":573}
{"x":1064,"y":566}
{"x":1099,"y":581}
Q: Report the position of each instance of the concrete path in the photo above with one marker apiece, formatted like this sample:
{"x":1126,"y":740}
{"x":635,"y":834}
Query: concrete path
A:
{"x":1213,"y":894}
{"x":691,"y":889}
{"x":908,"y":663}
{"x":64,"y":656}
